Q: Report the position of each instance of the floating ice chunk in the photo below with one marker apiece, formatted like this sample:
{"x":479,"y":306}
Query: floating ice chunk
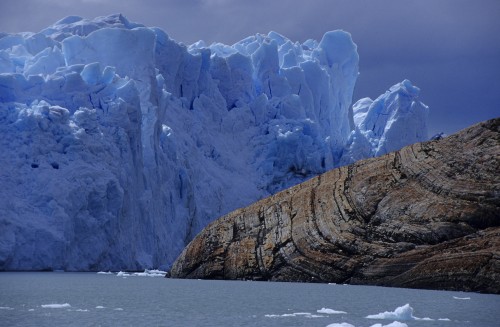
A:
{"x":444,"y":319}
{"x":122,"y":274}
{"x":150,"y":273}
{"x":342,"y":324}
{"x":330,"y":311}
{"x":461,"y":298}
{"x":31,"y":310}
{"x":100,"y":307}
{"x":118,"y":309}
{"x":295,"y":314}
{"x":392,"y":324}
{"x":81,"y":310}
{"x":6,"y":308}
{"x":56,"y":306}
{"x":401,"y":313}
{"x":105,"y":273}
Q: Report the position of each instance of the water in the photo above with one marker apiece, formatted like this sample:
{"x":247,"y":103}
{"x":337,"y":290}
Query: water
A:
{"x":146,"y":301}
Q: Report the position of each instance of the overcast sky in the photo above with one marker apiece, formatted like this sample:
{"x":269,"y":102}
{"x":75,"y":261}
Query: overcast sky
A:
{"x":448,"y":48}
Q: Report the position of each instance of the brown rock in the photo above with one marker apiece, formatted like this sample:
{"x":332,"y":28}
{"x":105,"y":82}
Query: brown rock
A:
{"x":426,"y":216}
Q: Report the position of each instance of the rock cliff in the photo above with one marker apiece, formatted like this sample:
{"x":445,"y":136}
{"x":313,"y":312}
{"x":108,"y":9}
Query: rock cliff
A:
{"x":427,"y":216}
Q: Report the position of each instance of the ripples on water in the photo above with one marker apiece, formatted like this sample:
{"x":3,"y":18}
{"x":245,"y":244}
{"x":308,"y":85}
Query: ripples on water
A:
{"x":89,"y":299}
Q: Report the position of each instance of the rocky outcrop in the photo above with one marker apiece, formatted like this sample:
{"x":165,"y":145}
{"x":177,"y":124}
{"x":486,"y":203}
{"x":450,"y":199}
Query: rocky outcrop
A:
{"x":427,"y":216}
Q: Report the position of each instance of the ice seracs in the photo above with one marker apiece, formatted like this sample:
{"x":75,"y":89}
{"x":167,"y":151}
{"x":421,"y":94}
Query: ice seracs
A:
{"x":395,"y":119}
{"x":119,"y":144}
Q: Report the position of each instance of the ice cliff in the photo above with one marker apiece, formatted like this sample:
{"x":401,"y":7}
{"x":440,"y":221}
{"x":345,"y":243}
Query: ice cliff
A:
{"x":118,"y":144}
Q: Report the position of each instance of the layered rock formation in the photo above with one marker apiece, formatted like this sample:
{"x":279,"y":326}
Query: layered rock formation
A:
{"x":427,"y":216}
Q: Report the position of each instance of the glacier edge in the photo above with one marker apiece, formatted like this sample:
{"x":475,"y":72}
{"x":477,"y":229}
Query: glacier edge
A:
{"x":119,"y":144}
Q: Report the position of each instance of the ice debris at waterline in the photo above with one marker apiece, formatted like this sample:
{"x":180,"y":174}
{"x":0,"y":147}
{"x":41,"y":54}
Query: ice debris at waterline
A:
{"x":119,"y":144}
{"x":146,"y":273}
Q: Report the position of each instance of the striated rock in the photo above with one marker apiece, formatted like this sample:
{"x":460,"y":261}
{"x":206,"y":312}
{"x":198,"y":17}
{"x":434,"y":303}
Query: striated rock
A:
{"x":427,"y":216}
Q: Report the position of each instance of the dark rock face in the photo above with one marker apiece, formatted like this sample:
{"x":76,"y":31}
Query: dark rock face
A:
{"x":427,"y":216}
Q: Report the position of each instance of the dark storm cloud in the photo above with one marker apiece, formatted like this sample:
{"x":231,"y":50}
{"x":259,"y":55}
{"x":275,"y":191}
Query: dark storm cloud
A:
{"x":449,"y":48}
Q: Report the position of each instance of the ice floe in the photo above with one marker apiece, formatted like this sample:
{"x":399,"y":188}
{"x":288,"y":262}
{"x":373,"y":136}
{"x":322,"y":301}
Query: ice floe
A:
{"x":461,"y":298}
{"x":6,"y":308}
{"x":330,"y":311}
{"x":295,"y":314}
{"x":105,"y":273}
{"x":146,"y":273}
{"x":100,"y":307}
{"x":56,"y":306}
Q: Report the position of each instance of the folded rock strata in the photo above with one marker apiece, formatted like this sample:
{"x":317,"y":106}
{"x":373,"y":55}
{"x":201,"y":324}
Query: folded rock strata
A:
{"x":427,"y":216}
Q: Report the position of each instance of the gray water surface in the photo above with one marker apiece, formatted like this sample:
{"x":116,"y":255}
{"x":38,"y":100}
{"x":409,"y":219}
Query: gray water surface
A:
{"x":108,"y":300}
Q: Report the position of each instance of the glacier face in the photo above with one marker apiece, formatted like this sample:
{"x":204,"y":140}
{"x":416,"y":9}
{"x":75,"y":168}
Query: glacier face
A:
{"x":120,"y":144}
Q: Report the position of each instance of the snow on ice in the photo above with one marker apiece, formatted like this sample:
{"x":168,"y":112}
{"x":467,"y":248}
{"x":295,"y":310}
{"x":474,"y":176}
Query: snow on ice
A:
{"x":120,"y":144}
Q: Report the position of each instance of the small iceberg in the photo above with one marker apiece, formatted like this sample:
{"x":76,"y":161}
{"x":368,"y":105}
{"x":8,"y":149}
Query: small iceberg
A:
{"x":342,"y":324}
{"x":401,"y":313}
{"x":56,"y":306}
{"x":104,"y":273}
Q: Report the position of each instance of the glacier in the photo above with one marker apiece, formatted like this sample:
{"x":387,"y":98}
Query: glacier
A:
{"x":119,"y":144}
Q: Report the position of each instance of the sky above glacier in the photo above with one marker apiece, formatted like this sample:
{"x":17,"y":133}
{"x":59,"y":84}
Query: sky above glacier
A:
{"x":449,"y":48}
